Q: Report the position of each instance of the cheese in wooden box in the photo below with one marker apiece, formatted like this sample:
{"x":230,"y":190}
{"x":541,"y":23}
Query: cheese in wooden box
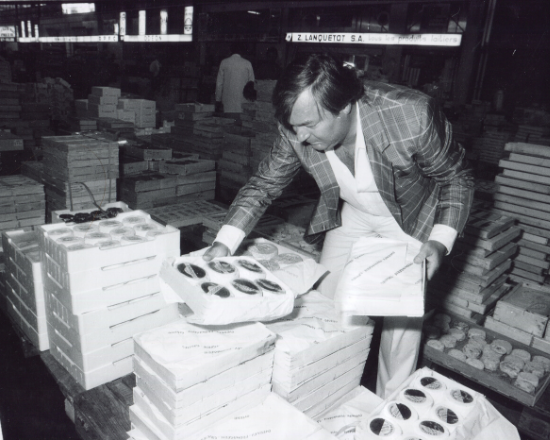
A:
{"x":526,"y":308}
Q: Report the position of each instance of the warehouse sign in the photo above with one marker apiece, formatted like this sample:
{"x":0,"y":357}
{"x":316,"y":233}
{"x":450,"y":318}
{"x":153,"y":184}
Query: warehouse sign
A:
{"x":170,"y":38}
{"x":450,"y":40}
{"x":7,"y":33}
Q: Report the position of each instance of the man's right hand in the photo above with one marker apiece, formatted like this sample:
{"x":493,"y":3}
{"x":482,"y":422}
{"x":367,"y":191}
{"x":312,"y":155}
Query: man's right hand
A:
{"x":215,"y":251}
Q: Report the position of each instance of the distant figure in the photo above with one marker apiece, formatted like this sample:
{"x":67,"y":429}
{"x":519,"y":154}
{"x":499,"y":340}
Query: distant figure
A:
{"x":234,"y":73}
{"x":154,"y":71}
{"x":270,"y":68}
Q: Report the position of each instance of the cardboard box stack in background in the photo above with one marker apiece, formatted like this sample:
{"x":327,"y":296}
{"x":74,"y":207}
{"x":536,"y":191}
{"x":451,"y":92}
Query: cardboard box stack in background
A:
{"x":523,"y":315}
{"x":523,"y":193}
{"x":22,"y":203}
{"x":144,"y":110}
{"x":474,"y":276}
{"x":102,"y":287}
{"x":166,"y":180}
{"x":24,"y":287}
{"x":317,"y":362}
{"x":77,"y":165}
{"x":235,"y":165}
{"x":190,"y":377}
{"x":197,"y":130}
{"x":103,"y":101}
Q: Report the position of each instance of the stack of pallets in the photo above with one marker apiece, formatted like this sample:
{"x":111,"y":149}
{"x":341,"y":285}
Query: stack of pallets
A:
{"x":79,"y":169}
{"x":523,"y":193}
{"x":474,"y":276}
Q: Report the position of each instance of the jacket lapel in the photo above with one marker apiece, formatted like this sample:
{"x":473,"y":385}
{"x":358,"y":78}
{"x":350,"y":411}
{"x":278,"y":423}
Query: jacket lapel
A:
{"x":376,"y":142}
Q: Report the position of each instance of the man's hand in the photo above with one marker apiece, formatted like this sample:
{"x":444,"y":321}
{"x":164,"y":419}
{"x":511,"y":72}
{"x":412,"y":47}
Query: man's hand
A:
{"x":432,"y":251}
{"x":215,"y":251}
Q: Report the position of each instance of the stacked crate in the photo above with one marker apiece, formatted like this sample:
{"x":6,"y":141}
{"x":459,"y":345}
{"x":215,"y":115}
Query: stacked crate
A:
{"x":523,"y":315}
{"x":12,"y":108}
{"x":199,"y":132}
{"x":235,"y":165}
{"x":474,"y":276}
{"x":102,"y":102}
{"x":10,"y":142}
{"x":532,"y":134}
{"x":24,"y":287}
{"x":190,"y":377}
{"x":317,"y":361}
{"x":22,"y":203}
{"x":523,"y":193}
{"x":180,"y":215}
{"x":171,"y":181}
{"x":77,"y":168}
{"x":145,"y":112}
{"x":102,"y":287}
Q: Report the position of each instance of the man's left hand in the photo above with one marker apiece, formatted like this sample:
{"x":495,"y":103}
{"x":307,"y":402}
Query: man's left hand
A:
{"x":432,"y":251}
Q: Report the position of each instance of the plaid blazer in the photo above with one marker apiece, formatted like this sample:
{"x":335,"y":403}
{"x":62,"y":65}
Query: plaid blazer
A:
{"x":419,"y":170}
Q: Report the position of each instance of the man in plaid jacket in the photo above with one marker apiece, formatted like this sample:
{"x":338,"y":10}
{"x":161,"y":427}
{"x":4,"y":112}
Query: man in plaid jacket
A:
{"x":386,"y":165}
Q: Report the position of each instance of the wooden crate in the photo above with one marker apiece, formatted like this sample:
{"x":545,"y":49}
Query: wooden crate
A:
{"x":494,"y":381}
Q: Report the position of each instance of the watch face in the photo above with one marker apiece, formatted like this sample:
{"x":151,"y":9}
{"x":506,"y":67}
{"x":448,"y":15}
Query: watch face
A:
{"x":431,"y":383}
{"x":269,"y":286}
{"x":249,"y":265}
{"x":400,"y":411}
{"x":462,"y":396}
{"x":221,"y":267}
{"x":246,"y":286}
{"x":415,"y":395}
{"x":381,"y":427}
{"x":191,"y":270}
{"x":432,"y":428}
{"x":215,"y":289}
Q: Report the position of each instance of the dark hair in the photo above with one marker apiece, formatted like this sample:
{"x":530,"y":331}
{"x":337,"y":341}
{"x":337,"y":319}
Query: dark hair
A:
{"x":333,"y":85}
{"x":237,"y":47}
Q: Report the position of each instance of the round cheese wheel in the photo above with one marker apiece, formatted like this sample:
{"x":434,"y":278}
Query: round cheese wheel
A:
{"x":108,"y":225}
{"x":132,"y":239}
{"x":544,"y":361}
{"x":215,"y":289}
{"x":522,"y":354}
{"x":431,"y":383}
{"x":461,"y":396}
{"x":287,"y":259}
{"x":69,"y":240}
{"x":431,"y":428}
{"x":446,"y":415}
{"x":535,"y":368}
{"x":399,"y":411}
{"x":457,"y":354}
{"x":456,"y":333}
{"x":435,"y":344}
{"x":263,"y":251}
{"x":490,"y":364}
{"x":477,"y":332}
{"x":134,"y":220}
{"x":250,"y":269}
{"x":269,"y":286}
{"x":448,"y":341}
{"x":85,"y":228}
{"x":94,"y":238}
{"x":246,"y":286}
{"x":60,"y":232}
{"x":476,"y":363}
{"x":501,"y":346}
{"x":472,"y":350}
{"x":118,"y":233}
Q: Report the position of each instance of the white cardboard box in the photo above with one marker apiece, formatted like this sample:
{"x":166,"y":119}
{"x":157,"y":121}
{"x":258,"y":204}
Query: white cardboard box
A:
{"x":199,"y":391}
{"x":185,"y":354}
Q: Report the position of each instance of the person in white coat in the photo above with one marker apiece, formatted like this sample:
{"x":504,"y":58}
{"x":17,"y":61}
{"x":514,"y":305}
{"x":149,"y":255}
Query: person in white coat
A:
{"x":234,"y":73}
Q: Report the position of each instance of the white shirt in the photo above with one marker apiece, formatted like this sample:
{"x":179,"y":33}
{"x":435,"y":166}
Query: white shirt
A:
{"x":233,"y":75}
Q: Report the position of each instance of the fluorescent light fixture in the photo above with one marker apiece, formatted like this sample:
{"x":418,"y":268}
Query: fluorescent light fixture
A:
{"x":29,"y":28}
{"x":36,"y":33}
{"x":79,"y":39}
{"x":122,"y":23}
{"x":163,"y":22}
{"x":142,"y":22}
{"x":188,"y":20}
{"x":116,"y":29}
{"x":253,"y":12}
{"x":23,"y":35}
{"x":77,"y":8}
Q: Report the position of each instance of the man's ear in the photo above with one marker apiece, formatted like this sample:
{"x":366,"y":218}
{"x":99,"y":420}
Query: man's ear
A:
{"x":346,"y":110}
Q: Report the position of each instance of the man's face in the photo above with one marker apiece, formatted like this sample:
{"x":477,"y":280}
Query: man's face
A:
{"x":316,"y":126}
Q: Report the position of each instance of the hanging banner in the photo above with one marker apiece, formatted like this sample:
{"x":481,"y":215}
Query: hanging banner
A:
{"x":450,"y":40}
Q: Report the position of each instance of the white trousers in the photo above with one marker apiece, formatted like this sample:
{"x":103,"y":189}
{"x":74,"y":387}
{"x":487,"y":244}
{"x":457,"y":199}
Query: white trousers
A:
{"x":400,"y":340}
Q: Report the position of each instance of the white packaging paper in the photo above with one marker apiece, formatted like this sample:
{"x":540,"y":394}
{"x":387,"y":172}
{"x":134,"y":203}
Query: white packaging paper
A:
{"x":380,"y":279}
